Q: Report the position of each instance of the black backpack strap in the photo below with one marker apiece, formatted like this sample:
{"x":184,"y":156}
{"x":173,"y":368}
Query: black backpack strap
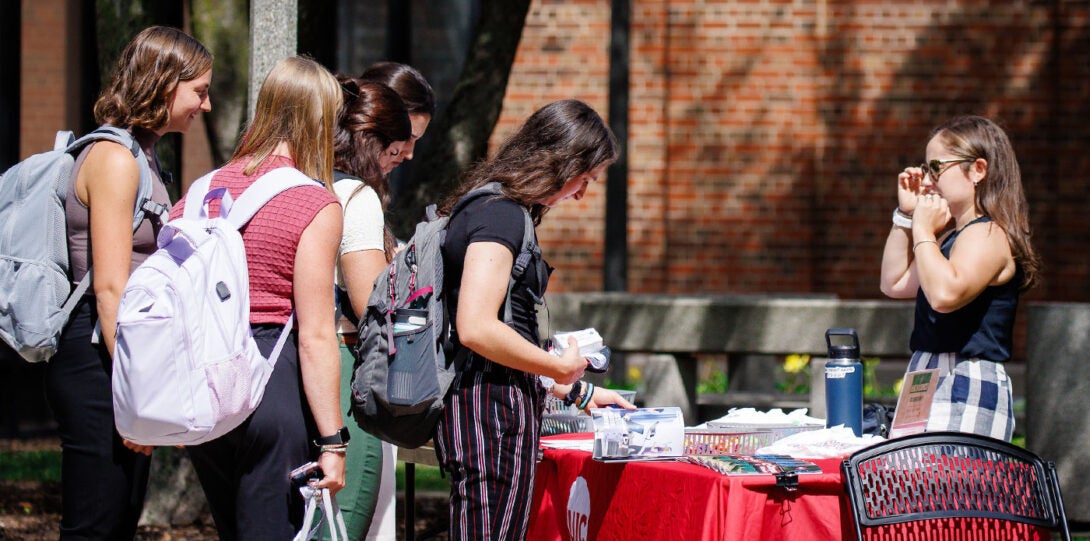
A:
{"x":527,"y":252}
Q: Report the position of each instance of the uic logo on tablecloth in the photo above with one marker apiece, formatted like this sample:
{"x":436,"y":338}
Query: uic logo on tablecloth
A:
{"x":579,"y":510}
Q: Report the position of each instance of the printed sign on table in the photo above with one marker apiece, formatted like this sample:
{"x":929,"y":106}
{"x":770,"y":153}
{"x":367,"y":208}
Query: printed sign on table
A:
{"x":914,"y":403}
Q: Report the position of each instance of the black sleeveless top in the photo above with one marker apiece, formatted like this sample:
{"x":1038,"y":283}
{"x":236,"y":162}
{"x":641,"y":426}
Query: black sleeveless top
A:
{"x":981,"y":329}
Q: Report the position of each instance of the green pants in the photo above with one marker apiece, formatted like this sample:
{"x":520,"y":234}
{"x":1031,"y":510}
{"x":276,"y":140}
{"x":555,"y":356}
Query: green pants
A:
{"x":363,"y":463}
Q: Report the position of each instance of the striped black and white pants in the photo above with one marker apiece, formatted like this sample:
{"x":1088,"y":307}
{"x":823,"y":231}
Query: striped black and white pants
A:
{"x":487,"y":442}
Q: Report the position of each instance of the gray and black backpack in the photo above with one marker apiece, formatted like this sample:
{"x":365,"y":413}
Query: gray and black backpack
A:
{"x":404,"y":361}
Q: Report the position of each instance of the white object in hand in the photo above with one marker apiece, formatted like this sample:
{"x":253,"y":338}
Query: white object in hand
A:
{"x":588,"y":339}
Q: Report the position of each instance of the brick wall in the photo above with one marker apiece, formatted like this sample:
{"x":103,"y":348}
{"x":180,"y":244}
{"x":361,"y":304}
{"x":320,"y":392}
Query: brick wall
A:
{"x":49,"y":98}
{"x":766,"y":136}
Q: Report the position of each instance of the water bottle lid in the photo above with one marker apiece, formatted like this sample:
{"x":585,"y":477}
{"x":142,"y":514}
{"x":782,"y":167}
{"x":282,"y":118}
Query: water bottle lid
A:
{"x":843,"y":352}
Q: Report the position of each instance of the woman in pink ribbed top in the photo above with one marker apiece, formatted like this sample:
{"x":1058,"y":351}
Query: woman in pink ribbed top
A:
{"x":291,"y":245}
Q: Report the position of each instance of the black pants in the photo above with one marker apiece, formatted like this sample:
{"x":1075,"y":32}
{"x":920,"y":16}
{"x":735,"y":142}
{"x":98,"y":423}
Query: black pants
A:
{"x":103,"y":482}
{"x":245,"y":473}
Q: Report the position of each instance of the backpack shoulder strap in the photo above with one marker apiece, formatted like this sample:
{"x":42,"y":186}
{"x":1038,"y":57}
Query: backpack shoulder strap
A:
{"x":195,"y":195}
{"x":66,"y":140}
{"x":527,"y":252}
{"x":262,"y":191}
{"x":144,"y":204}
{"x":492,"y":188}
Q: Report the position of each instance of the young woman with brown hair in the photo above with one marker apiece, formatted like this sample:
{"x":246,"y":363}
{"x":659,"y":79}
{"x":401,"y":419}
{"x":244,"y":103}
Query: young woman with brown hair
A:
{"x":487,"y":438}
{"x":159,"y":85}
{"x":960,"y":245}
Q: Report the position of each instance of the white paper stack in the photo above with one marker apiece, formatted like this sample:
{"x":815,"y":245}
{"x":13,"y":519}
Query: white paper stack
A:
{"x":588,"y":339}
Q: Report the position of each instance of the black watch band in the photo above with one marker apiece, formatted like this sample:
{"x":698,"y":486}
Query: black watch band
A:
{"x":341,"y":437}
{"x":573,"y":394}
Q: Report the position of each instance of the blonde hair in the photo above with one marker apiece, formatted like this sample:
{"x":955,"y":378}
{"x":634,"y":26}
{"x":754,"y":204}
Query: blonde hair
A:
{"x":298,"y":103}
{"x":146,"y":76}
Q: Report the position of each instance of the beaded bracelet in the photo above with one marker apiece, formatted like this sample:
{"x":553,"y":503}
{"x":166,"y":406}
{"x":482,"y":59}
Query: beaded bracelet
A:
{"x":340,"y":448}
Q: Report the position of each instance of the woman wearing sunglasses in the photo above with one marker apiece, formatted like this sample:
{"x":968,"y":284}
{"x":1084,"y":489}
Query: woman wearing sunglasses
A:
{"x":960,"y":244}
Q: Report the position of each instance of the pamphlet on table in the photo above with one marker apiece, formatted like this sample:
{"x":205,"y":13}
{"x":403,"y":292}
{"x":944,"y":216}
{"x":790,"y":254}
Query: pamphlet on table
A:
{"x":755,"y":464}
{"x":914,"y":403}
{"x":638,"y":433}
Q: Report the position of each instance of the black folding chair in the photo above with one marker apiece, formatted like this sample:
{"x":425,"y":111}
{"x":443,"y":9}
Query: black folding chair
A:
{"x":951,"y":475}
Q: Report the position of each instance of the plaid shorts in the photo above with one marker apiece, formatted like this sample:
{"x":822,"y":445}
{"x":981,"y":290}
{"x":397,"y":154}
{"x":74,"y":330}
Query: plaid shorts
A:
{"x":973,"y":395}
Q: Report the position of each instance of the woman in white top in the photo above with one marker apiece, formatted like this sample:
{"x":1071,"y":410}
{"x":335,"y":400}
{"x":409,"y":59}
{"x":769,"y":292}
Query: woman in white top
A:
{"x":371,"y":132}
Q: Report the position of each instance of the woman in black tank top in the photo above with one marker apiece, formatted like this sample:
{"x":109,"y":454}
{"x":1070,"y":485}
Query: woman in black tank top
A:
{"x":960,"y":245}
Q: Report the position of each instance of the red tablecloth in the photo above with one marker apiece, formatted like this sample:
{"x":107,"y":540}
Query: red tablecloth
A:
{"x":671,"y":500}
{"x":578,"y":498}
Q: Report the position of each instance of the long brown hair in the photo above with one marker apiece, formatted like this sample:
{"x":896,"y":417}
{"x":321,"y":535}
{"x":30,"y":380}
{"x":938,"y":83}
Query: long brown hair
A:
{"x":298,"y":104}
{"x":1000,"y":195}
{"x":146,"y":75}
{"x":372,"y":118}
{"x":559,"y":142}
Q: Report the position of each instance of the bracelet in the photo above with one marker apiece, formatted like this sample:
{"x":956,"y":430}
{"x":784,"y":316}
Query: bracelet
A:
{"x":586,"y":398}
{"x":923,"y":242}
{"x":340,"y":449}
{"x":901,"y":219}
{"x":573,"y":394}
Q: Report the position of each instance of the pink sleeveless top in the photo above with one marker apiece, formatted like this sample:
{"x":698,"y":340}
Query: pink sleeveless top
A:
{"x":271,"y":237}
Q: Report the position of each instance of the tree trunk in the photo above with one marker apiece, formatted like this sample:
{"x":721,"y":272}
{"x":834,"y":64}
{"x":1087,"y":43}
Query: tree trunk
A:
{"x":174,"y":492}
{"x":462,"y":133}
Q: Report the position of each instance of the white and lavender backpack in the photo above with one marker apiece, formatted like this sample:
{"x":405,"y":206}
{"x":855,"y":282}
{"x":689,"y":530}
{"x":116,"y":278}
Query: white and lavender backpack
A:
{"x":186,"y":367}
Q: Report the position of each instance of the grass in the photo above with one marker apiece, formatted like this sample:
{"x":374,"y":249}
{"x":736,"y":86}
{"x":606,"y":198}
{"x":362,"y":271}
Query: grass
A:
{"x":45,"y":465}
{"x":30,"y":465}
{"x":428,"y":478}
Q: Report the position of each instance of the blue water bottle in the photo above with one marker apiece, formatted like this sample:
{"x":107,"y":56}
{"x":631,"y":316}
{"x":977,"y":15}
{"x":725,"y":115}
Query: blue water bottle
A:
{"x":844,"y":382}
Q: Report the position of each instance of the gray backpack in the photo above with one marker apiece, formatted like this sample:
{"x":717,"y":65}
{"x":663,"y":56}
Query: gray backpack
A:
{"x":404,"y":364}
{"x":36,"y":295}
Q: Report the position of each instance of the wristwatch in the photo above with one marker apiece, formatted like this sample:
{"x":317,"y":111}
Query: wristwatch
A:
{"x":573,"y":394}
{"x":340,"y":438}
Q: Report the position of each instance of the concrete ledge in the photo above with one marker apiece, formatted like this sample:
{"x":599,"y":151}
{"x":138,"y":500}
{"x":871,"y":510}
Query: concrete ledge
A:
{"x":736,"y":323}
{"x":1058,"y":396}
